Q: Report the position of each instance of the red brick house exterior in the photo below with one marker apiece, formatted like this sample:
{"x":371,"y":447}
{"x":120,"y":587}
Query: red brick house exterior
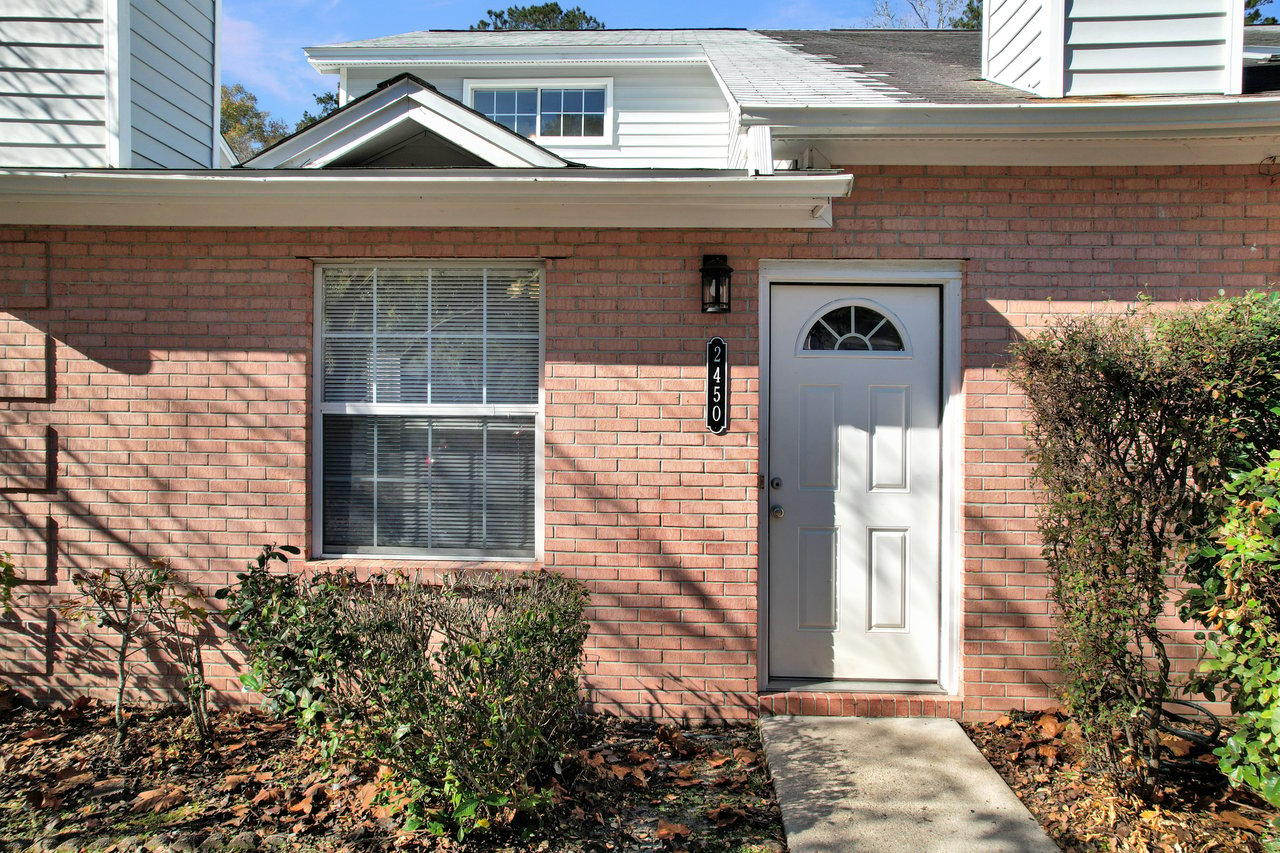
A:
{"x":159,"y":389}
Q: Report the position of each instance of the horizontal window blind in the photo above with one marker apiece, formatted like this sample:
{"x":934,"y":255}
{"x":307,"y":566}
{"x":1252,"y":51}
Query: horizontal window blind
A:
{"x":429,"y":380}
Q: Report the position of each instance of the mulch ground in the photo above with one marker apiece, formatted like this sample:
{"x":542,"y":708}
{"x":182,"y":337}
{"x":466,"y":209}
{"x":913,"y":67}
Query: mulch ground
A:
{"x":1043,"y":759}
{"x":628,"y":787}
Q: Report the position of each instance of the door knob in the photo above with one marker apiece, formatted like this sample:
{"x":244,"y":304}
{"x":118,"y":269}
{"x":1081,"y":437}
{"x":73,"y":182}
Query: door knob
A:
{"x":777,"y":511}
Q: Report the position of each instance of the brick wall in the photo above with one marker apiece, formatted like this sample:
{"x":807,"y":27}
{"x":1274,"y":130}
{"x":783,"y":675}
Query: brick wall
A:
{"x":158,"y":386}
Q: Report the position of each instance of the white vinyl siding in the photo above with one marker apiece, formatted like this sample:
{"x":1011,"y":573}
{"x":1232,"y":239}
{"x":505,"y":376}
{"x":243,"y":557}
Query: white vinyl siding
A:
{"x":428,"y":376}
{"x":663,"y":116}
{"x":1150,"y":47}
{"x":1017,"y":44}
{"x":1105,"y":47}
{"x":171,"y":75}
{"x":53,"y":88}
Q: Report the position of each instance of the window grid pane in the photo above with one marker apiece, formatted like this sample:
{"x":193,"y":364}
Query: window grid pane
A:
{"x":514,"y":109}
{"x":576,"y":113}
{"x":437,"y":337}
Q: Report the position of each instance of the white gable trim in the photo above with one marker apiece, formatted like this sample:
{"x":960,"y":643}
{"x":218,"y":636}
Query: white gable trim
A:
{"x":362,"y":121}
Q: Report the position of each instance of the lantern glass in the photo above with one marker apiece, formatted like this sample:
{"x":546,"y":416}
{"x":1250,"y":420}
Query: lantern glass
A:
{"x":716,"y":275}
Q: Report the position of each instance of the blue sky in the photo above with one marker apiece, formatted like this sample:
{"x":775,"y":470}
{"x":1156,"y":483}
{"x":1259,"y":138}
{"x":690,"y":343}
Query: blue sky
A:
{"x":262,"y":40}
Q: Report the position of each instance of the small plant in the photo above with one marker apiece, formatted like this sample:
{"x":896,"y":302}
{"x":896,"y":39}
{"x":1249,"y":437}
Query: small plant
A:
{"x":1240,"y":603}
{"x":146,"y":607}
{"x":8,"y":582}
{"x":124,"y":601}
{"x":180,"y":628}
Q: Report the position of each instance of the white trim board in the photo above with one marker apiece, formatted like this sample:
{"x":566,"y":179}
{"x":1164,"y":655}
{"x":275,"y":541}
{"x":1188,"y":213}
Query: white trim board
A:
{"x":947,"y":277}
{"x":1189,"y":150}
{"x":480,"y":198}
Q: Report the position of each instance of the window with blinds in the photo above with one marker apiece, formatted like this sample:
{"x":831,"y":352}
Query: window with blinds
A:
{"x":428,"y":380}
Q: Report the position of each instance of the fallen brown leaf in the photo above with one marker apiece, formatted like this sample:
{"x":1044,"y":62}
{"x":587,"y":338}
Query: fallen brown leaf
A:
{"x":725,"y":816}
{"x":158,"y":799}
{"x":231,"y":782}
{"x":672,"y":830}
{"x":365,"y":795}
{"x":1180,"y":747}
{"x":1238,"y":820}
{"x":1050,"y":725}
{"x":268,"y":795}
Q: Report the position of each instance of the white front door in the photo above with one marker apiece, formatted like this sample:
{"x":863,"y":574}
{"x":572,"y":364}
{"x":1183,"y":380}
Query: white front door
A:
{"x":854,"y":482}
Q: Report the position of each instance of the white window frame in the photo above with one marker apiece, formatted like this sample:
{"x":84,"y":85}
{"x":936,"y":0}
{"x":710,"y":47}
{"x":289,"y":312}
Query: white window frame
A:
{"x":470,"y":85}
{"x":319,"y":409}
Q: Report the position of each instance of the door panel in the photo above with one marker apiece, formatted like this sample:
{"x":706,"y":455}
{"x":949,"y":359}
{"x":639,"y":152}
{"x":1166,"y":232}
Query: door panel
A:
{"x":855,"y":450}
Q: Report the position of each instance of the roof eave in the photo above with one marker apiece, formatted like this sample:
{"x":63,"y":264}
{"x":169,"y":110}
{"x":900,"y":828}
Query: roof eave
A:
{"x":389,"y":198}
{"x":1057,"y":119}
{"x":330,"y":60}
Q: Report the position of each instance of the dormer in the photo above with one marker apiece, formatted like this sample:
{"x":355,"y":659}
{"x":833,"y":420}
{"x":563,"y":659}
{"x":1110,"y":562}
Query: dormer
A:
{"x":1094,"y":48}
{"x":110,"y":83}
{"x":612,"y":98}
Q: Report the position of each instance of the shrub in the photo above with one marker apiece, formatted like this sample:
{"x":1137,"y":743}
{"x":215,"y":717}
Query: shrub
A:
{"x":1240,"y":602}
{"x":465,"y":688}
{"x":1135,"y":421}
{"x":144,"y":606}
{"x":296,"y":636}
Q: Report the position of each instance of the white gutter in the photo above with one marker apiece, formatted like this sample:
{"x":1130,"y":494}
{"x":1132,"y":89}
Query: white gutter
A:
{"x":1122,"y":117}
{"x":387,"y":198}
{"x":328,"y":60}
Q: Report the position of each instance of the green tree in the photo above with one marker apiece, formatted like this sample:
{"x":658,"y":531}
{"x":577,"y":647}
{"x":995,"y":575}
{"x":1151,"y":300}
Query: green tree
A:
{"x":247,"y":128}
{"x":970,"y":17}
{"x":326,"y":103}
{"x":1253,"y":12}
{"x":546,"y":16}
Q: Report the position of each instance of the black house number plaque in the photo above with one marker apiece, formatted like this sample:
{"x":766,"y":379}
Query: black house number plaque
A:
{"x":717,"y":386}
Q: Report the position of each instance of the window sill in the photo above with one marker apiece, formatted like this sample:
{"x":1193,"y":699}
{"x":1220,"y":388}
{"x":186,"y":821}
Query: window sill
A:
{"x":369,"y":563}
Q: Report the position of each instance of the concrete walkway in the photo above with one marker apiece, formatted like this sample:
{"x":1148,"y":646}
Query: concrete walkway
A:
{"x":851,"y":784}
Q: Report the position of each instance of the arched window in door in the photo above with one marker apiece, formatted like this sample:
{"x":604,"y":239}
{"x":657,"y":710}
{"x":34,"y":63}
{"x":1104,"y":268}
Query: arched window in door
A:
{"x":853,"y":328}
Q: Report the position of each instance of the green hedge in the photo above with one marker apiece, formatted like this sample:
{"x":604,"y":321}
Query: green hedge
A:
{"x":467,"y":687}
{"x":1135,"y":421}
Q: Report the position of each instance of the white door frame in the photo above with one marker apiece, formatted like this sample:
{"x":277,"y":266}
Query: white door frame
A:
{"x":946,"y":276}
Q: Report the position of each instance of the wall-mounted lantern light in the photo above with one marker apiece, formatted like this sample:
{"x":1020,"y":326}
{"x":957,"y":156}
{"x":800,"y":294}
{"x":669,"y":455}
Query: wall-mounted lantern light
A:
{"x":716,"y":273}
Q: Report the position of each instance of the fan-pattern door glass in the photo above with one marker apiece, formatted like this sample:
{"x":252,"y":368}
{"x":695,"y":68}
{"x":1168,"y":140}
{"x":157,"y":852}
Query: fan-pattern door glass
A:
{"x":853,"y":328}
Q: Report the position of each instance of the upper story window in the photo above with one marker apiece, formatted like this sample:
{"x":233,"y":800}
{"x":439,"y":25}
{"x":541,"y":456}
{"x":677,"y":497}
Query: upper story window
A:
{"x":557,"y":112}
